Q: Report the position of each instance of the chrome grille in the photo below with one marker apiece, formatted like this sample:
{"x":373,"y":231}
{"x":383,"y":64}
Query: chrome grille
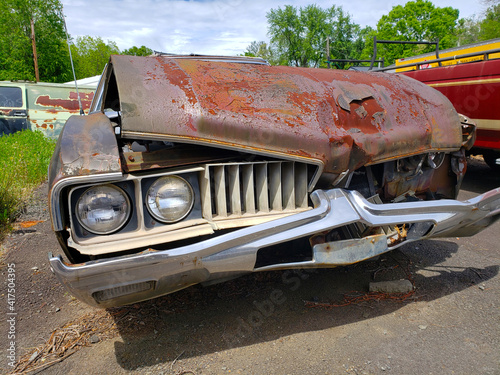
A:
{"x":245,"y":189}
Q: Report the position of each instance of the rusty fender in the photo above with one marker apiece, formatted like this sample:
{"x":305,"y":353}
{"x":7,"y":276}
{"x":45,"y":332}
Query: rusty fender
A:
{"x":87,"y":146}
{"x":154,"y":273}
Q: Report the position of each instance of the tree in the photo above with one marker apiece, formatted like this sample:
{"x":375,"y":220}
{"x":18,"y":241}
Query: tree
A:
{"x":262,"y":49}
{"x":490,"y":2}
{"x":16,"y":53}
{"x":285,"y":31}
{"x":299,"y":34}
{"x":346,"y":39}
{"x":490,"y":25}
{"x":476,"y":29}
{"x":417,"y":20}
{"x":467,"y":31}
{"x":138,"y":51}
{"x":91,"y":54}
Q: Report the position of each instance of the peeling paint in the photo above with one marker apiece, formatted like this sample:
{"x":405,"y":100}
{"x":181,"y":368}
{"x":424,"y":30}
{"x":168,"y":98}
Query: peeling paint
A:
{"x":282,"y":109}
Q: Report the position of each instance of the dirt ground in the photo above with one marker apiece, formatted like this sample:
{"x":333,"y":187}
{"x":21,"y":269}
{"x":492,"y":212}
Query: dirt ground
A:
{"x":309,"y":322}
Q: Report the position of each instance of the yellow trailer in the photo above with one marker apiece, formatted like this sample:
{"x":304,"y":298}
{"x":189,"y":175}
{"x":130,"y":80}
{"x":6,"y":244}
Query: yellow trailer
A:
{"x":470,"y":49}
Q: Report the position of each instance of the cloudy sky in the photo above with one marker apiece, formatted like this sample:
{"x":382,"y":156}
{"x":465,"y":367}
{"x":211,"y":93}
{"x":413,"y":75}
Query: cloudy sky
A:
{"x":223,"y":27}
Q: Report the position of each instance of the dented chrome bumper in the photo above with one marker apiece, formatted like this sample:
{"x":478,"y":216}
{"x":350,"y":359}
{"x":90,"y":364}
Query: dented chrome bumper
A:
{"x":129,"y":279}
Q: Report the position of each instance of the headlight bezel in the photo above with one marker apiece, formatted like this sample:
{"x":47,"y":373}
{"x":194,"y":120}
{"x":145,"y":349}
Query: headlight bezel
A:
{"x":141,"y":223}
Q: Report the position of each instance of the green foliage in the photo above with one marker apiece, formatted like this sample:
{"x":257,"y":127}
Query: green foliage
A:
{"x":16,"y":53}
{"x":299,"y":34}
{"x":476,"y":29}
{"x":138,"y":51}
{"x":24,"y":161}
{"x":261,"y":49}
{"x":91,"y":54}
{"x":347,"y":39}
{"x":490,"y":25}
{"x":417,"y":20}
{"x":287,"y":33}
{"x":468,"y":30}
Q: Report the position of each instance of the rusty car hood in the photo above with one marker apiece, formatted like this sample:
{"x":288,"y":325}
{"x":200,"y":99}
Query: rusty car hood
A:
{"x":342,"y":119}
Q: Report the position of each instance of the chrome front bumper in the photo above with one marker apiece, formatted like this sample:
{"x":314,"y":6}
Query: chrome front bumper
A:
{"x":128,"y":279}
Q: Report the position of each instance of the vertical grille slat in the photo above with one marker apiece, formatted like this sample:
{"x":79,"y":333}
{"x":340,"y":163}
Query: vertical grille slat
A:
{"x":288,"y":183}
{"x":235,"y":189}
{"x":275,"y":197}
{"x":206,"y":201}
{"x":233,"y":172}
{"x":300,"y":185}
{"x":248,"y":187}
{"x":261,"y":189}
{"x":220,"y":190}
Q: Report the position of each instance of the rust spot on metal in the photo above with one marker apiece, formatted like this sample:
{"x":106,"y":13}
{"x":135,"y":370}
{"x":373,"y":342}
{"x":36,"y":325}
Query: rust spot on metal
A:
{"x":47,"y":101}
{"x":87,"y":145}
{"x":70,"y":104}
{"x":191,"y":125}
{"x":180,"y":155}
{"x":399,"y":236}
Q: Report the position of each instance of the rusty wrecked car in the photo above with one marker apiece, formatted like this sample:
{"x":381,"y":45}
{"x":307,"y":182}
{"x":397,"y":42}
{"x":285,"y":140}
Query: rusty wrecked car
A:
{"x":199,"y":169}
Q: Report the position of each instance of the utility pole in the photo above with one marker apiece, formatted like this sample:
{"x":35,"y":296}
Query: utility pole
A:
{"x":328,"y":51}
{"x":33,"y":42}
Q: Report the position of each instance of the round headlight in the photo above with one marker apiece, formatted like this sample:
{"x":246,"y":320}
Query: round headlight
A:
{"x":170,"y":199}
{"x":103,"y":209}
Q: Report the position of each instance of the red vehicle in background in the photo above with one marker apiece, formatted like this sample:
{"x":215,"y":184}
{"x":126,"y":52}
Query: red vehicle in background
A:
{"x":469,"y":76}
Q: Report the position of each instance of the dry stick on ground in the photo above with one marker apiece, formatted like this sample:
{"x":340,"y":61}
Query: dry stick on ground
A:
{"x":66,"y":340}
{"x":175,"y":360}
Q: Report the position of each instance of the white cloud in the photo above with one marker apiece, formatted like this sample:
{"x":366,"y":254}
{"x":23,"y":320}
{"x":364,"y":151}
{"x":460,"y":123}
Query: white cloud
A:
{"x":207,"y":26}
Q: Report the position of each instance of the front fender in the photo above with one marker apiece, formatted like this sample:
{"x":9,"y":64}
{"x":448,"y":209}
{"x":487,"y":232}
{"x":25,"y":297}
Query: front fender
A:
{"x":86,"y":146}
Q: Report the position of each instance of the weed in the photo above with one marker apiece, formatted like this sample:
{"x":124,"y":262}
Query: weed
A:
{"x":24,"y":159}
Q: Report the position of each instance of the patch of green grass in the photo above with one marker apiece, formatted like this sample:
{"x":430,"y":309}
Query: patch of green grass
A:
{"x":24,"y":159}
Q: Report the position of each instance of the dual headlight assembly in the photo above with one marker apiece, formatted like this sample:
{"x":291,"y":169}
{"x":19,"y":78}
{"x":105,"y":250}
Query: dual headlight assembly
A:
{"x":105,"y":209}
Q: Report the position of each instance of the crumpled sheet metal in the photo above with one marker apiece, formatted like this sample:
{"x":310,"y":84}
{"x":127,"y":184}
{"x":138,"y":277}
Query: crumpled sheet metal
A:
{"x":343,"y":119}
{"x":87,"y":146}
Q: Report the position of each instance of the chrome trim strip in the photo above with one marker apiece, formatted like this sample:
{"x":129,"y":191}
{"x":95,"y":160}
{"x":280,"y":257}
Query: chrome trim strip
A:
{"x":235,"y":253}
